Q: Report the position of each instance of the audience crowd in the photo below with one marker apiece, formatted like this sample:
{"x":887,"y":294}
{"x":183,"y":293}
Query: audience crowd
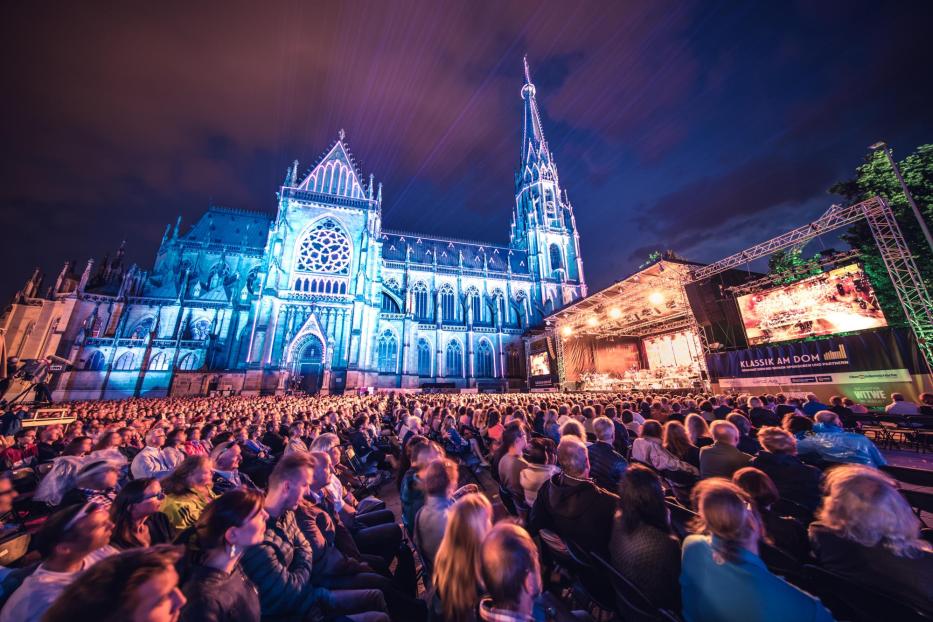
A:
{"x":546,"y":506}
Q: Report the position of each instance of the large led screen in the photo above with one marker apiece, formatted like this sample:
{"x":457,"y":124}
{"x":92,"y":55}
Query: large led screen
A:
{"x":540,"y":366}
{"x":839,"y":301}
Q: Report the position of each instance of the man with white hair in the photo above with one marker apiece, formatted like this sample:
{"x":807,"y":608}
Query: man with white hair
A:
{"x":571,"y":505}
{"x":151,"y":460}
{"x":723,"y":457}
{"x":606,"y":464}
{"x":833,"y":444}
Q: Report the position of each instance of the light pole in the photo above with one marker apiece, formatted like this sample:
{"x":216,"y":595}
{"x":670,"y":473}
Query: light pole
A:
{"x":910,"y":198}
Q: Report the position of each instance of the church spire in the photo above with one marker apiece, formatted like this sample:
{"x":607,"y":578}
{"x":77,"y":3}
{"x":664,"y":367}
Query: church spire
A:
{"x":533,"y":143}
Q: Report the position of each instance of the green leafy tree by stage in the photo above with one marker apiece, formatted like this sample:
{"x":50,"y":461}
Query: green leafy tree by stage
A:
{"x":875,"y":177}
{"x":789,"y":266}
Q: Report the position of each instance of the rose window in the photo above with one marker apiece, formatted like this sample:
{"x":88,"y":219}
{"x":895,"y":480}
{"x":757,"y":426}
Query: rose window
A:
{"x":326,"y":249}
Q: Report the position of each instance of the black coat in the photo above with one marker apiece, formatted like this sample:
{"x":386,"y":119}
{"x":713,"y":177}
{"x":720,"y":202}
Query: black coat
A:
{"x":795,"y":481}
{"x":606,"y":465}
{"x":215,"y":596}
{"x":576,"y":510}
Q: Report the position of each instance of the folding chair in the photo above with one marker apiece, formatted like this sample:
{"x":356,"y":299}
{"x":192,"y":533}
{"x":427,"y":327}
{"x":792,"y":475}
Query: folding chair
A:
{"x":907,"y":475}
{"x":681,"y":518}
{"x":920,"y":501}
{"x":631,"y":603}
{"x":857,"y":602}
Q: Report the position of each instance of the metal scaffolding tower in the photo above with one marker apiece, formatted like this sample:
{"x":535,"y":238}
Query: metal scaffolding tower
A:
{"x":910,"y":289}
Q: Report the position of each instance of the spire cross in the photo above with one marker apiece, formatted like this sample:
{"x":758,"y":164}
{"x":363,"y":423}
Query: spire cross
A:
{"x":341,"y":134}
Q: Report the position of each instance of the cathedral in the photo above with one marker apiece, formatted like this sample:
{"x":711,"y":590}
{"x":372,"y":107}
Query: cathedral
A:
{"x":321,"y":298}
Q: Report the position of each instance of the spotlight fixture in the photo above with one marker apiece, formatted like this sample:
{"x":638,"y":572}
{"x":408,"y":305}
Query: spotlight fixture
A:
{"x":656,"y":298}
{"x":566,"y":331}
{"x":615,"y":313}
{"x":592,"y":321}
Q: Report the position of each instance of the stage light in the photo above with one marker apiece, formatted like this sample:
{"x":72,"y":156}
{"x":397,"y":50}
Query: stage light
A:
{"x":615,"y":313}
{"x":566,"y":331}
{"x":656,"y":298}
{"x":591,"y":321}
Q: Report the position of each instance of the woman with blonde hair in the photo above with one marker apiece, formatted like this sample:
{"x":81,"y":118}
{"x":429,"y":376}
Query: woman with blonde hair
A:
{"x":677,"y":441}
{"x":866,"y":532}
{"x":725,"y":553}
{"x":457,"y":587}
{"x":698,"y":430}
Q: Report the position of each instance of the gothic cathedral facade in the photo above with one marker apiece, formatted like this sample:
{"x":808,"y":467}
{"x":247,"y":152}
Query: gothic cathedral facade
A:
{"x":322,"y":297}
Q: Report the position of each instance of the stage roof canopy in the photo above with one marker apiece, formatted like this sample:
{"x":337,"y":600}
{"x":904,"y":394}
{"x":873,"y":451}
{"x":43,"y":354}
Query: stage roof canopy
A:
{"x":650,"y":301}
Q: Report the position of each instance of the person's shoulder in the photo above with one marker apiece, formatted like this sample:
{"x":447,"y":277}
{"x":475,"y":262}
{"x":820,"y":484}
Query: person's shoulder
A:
{"x":695,"y":544}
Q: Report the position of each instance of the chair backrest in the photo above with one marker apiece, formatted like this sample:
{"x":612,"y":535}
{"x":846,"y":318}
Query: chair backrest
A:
{"x":681,"y":518}
{"x":919,"y":500}
{"x":778,"y":561}
{"x":13,"y":548}
{"x":786,"y":507}
{"x":907,"y":475}
{"x":848,"y":600}
{"x":506,"y":497}
{"x":632,"y":603}
{"x":556,"y":548}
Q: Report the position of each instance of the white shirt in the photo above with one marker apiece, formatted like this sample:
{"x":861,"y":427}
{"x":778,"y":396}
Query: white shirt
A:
{"x":150,"y":462}
{"x":901,"y":408}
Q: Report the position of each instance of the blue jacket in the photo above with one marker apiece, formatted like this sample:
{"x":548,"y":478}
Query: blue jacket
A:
{"x":745,"y":591}
{"x":834,"y":444}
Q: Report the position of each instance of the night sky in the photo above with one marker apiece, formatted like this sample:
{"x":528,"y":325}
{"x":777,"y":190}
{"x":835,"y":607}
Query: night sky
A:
{"x":701,"y":127}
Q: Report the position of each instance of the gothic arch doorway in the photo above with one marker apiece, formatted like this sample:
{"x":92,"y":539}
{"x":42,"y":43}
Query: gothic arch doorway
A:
{"x":311,"y":365}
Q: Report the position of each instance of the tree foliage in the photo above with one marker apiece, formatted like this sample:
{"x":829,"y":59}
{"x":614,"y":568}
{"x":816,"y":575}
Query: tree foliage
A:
{"x":875,"y":177}
{"x":789,"y":266}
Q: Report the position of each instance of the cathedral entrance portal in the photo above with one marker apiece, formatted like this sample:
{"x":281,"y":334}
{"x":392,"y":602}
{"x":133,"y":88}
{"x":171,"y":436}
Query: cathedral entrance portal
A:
{"x":311,"y":366}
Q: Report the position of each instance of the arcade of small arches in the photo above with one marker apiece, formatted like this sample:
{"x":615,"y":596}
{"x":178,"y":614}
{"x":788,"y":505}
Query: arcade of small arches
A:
{"x":130,"y":361}
{"x":445,"y":307}
{"x":451,"y":362}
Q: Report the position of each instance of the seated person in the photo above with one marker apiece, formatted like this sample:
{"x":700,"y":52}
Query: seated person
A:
{"x":95,"y":481}
{"x":23,"y":452}
{"x":542,"y":464}
{"x":747,"y":443}
{"x":643,"y":548}
{"x":784,"y":532}
{"x":440,"y":479}
{"x":571,"y":505}
{"x":900,"y":406}
{"x":70,"y":541}
{"x":722,"y":579}
{"x":795,"y":481}
{"x":456,"y":589}
{"x":137,"y":521}
{"x":511,"y":573}
{"x":722,"y":458}
{"x":512,"y":461}
{"x":226,"y":458}
{"x":412,"y":490}
{"x":833,"y":444}
{"x":8,"y":522}
{"x":280,"y":566}
{"x":867,"y":532}
{"x":152,"y":461}
{"x":648,"y":448}
{"x":606,"y":464}
{"x":188,"y":491}
{"x":141,"y":584}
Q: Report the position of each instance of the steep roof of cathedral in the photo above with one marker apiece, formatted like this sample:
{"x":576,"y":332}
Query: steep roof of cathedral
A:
{"x":534,"y":145}
{"x":476,"y":255}
{"x":230,"y":227}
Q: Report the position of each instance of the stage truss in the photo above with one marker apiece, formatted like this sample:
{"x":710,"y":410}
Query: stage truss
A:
{"x":898,"y":260}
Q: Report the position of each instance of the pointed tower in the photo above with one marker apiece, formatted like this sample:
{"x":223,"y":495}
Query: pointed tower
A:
{"x":542,"y":223}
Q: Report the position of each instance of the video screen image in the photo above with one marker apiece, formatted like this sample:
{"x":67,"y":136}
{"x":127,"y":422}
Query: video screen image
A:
{"x":539,"y":364}
{"x":839,"y":301}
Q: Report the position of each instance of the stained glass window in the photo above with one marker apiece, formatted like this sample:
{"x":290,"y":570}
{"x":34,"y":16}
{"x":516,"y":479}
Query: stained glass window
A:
{"x":325,"y":248}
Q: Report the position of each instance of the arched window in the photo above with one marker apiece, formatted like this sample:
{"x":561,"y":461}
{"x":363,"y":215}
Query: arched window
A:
{"x":557,"y":262}
{"x":424,"y":358}
{"x":142,"y":328}
{"x":448,"y":305}
{"x":485,"y":365}
{"x":159,"y":362}
{"x":420,"y":294}
{"x":454,"y":359}
{"x":325,"y":248}
{"x":388,"y":304}
{"x":95,"y":362}
{"x":189,"y":362}
{"x":126,"y":361}
{"x":476,"y":306}
{"x":514,"y":363}
{"x":388,"y":353}
{"x":201,"y":329}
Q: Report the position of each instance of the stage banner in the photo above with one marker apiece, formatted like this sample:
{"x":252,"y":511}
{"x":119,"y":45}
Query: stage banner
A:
{"x":880,"y":361}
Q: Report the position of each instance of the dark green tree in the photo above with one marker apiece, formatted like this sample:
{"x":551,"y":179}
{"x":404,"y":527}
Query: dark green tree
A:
{"x":875,"y":177}
{"x":789,"y":266}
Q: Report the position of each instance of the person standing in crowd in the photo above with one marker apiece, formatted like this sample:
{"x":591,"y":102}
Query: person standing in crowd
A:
{"x":151,"y":461}
{"x":900,"y":406}
{"x":833,"y":444}
{"x":511,"y":574}
{"x":136,"y":517}
{"x":724,"y":556}
{"x":457,"y":589}
{"x":606,"y":464}
{"x":722,"y":458}
{"x":643,"y":547}
{"x":571,"y":505}
{"x":69,"y":541}
{"x":795,"y":481}
{"x":215,"y":586}
{"x":188,"y":491}
{"x":867,"y":533}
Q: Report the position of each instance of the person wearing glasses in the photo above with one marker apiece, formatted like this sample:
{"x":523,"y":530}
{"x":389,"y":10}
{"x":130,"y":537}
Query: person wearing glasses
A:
{"x":151,"y":461}
{"x":70,"y":541}
{"x":136,"y":516}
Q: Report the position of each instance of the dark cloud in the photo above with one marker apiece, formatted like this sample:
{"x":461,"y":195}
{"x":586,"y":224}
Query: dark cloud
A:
{"x":696,"y":126}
